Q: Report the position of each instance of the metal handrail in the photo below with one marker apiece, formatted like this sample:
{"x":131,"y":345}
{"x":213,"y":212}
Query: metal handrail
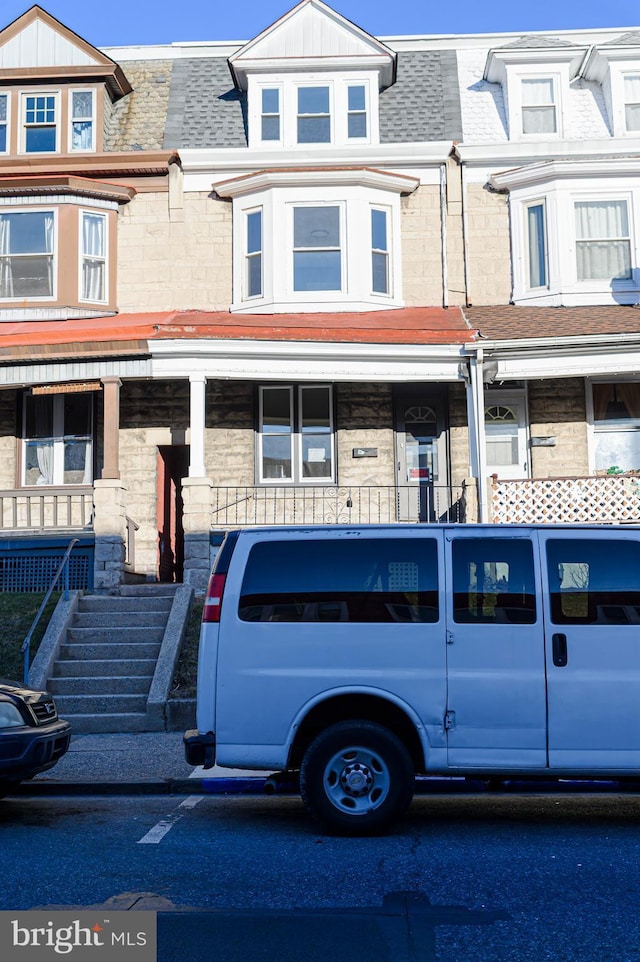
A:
{"x":64,"y":565}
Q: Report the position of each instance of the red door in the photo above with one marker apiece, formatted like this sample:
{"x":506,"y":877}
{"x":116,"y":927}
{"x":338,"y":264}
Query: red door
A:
{"x":173,"y":465}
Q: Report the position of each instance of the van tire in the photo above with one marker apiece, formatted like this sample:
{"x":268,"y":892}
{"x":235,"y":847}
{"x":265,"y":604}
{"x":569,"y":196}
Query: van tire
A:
{"x":356,"y":778}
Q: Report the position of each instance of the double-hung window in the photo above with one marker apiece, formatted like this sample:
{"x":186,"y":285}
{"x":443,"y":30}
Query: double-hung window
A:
{"x":57,"y":439}
{"x":314,"y":115}
{"x":4,"y":123}
{"x":94,"y":257}
{"x":539,"y":111}
{"x":379,"y":251}
{"x":537,"y":246}
{"x":26,"y":254}
{"x":253,"y":270}
{"x":632,"y":102}
{"x":603,"y":242}
{"x":40,"y":119}
{"x":317,"y":258}
{"x":356,"y":111}
{"x":83,"y":121}
{"x":270,"y":114}
{"x":296,"y":441}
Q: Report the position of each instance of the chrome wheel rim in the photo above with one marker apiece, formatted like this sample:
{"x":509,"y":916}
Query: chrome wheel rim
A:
{"x":356,"y":780}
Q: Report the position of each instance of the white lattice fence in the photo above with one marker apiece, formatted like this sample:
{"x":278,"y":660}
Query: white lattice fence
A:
{"x":612,"y":499}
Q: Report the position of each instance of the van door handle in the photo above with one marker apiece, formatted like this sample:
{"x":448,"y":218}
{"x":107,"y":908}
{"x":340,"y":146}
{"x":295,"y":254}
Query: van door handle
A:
{"x":560,"y":656}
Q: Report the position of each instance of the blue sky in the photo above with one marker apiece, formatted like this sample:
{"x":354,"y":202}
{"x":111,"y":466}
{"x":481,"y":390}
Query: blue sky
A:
{"x":123,"y":22}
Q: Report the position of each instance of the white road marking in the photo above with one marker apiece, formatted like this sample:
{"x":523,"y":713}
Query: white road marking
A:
{"x":158,"y":832}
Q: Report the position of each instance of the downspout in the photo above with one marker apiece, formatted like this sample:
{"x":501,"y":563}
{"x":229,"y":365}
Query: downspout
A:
{"x":443,"y":234}
{"x":465,"y":234}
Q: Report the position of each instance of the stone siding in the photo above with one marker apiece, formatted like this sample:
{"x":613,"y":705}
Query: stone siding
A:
{"x":364,"y":415}
{"x":557,"y":409}
{"x":488,"y":246}
{"x":458,"y":434}
{"x":422,"y":247}
{"x":166,"y":265}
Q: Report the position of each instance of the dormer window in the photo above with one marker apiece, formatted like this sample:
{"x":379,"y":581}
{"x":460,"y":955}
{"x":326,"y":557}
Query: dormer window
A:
{"x":539,"y":106}
{"x":83,"y":120}
{"x":314,"y":115}
{"x":4,"y":123}
{"x":270,"y":117}
{"x":632,"y":102}
{"x":40,"y":120}
{"x":357,"y":111}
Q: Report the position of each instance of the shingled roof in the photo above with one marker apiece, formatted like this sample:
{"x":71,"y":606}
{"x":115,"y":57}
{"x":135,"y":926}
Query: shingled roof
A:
{"x":510,"y":322}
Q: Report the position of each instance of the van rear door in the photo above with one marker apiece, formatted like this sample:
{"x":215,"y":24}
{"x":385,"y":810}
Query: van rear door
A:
{"x":592,"y":616}
{"x":496,"y":717}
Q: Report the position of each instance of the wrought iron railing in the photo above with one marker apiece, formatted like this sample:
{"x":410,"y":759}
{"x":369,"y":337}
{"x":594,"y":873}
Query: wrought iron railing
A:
{"x":70,"y":506}
{"x":336,"y":504}
{"x":62,"y":570}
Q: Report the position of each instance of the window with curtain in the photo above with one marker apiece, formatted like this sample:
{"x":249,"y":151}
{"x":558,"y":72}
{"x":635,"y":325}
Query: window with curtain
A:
{"x":26,"y":254}
{"x":539,"y":106}
{"x":254,"y":254}
{"x":314,"y":115}
{"x":616,"y":417}
{"x":82,"y":120}
{"x":296,"y":437}
{"x":537,"y":244}
{"x":4,"y":123}
{"x":94,"y":256}
{"x":632,"y":101}
{"x":40,"y":123}
{"x":317,"y":258}
{"x":58,"y":444}
{"x":603,"y":243}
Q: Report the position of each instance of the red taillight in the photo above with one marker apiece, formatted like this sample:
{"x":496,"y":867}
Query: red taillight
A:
{"x":213,"y":601}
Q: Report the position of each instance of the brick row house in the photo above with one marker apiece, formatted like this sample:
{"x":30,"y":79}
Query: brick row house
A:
{"x":314,"y":277}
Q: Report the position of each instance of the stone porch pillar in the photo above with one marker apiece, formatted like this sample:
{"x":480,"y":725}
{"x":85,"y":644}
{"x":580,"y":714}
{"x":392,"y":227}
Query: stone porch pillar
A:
{"x":197,"y":497}
{"x":110,"y":527}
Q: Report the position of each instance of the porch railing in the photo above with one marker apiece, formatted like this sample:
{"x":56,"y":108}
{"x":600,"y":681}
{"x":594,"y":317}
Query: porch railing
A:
{"x":70,"y":506}
{"x":343,"y":504}
{"x":609,"y":499}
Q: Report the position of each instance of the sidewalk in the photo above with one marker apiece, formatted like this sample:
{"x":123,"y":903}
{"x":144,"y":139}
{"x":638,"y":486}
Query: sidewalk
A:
{"x":144,"y":763}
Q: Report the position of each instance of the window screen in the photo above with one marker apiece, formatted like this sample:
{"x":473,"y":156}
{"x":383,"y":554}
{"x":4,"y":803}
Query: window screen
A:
{"x":493,"y":581}
{"x":594,"y":582}
{"x":369,"y":580}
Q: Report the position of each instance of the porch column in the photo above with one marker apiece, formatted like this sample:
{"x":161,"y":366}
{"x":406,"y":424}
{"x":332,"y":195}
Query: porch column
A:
{"x":197,"y":415}
{"x":110,"y":528}
{"x":197,"y":497}
{"x":111,"y":428}
{"x":477,"y":438}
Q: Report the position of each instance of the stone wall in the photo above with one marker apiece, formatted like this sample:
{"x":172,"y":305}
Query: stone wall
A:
{"x":488,"y":246}
{"x":422,"y":247}
{"x":137,"y":121}
{"x":364,"y":415}
{"x":169,"y":264}
{"x":458,"y":434}
{"x":557,"y":409}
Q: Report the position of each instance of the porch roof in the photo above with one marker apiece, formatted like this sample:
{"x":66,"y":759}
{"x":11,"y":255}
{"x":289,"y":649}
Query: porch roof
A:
{"x":510,"y":322}
{"x":131,"y":333}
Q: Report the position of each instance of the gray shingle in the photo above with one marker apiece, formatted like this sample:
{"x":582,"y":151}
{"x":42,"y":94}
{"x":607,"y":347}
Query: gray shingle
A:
{"x":424,"y":103}
{"x":205,"y":109}
{"x":533,"y":42}
{"x":631,"y":39}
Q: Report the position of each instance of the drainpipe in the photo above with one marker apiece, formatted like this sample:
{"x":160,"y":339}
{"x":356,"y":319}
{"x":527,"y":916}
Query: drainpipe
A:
{"x":443,"y":234}
{"x":465,"y":252}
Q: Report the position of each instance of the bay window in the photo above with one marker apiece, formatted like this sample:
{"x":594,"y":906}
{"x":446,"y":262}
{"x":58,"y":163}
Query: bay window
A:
{"x":317,"y":258}
{"x":537,"y":246}
{"x":94,"y":256}
{"x":296,"y":441}
{"x":379,"y":252}
{"x":253,"y":278}
{"x":57,"y":446}
{"x":603,"y":243}
{"x":26,"y":254}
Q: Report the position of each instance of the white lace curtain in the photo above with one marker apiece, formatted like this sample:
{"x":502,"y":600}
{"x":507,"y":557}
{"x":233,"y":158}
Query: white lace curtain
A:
{"x":538,"y":106}
{"x":93,"y":250}
{"x":26,"y":239}
{"x":602,"y":233}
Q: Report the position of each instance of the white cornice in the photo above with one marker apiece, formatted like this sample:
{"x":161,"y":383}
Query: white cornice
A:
{"x":500,"y":60}
{"x":338,"y":177}
{"x":563,"y":169}
{"x":517,"y":153}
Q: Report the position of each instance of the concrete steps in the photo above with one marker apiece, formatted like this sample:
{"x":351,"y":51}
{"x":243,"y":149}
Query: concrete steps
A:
{"x":105,"y":665}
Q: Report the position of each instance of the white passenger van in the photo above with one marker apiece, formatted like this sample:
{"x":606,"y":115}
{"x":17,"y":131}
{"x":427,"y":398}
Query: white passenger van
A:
{"x":361,"y":656}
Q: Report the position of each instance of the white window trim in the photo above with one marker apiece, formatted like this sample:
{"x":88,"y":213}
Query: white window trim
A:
{"x":81,"y":256}
{"x":388,"y":211}
{"x":320,"y":295}
{"x":536,"y":202}
{"x":93,"y":119}
{"x":315,"y":481}
{"x":261,"y":392}
{"x":296,"y":478}
{"x":246,"y":296}
{"x":555,"y":78}
{"x":593,"y":197}
{"x":42,"y":298}
{"x":288,"y":85}
{"x":40,"y":92}
{"x":7,"y":94}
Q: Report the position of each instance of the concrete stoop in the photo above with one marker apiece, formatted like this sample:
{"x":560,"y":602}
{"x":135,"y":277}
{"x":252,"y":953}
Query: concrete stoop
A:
{"x":113,"y":666}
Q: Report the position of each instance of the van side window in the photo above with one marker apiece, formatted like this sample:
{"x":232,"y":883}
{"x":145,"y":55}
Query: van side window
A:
{"x":368,"y":579}
{"x":594,"y":582}
{"x":493,"y":581}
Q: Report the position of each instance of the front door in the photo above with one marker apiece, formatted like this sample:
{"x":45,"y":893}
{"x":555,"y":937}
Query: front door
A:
{"x":496,"y":699}
{"x":506,"y":435}
{"x":592,"y":620}
{"x":422,"y":471}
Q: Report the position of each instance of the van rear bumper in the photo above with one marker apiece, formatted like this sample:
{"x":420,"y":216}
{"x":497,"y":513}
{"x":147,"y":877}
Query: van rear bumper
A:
{"x":200,"y":748}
